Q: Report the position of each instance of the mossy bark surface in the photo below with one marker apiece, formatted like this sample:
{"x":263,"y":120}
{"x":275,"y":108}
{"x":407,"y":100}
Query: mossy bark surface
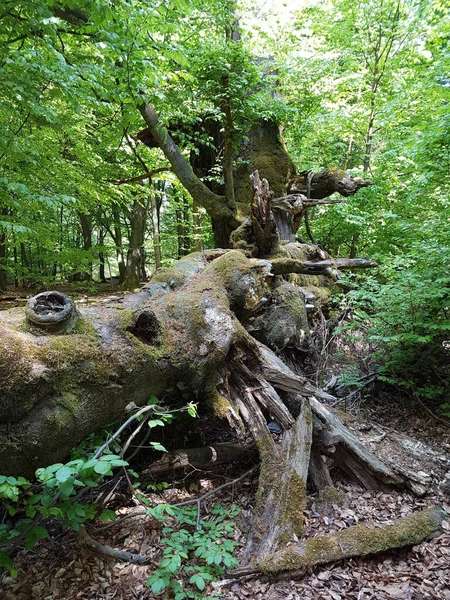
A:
{"x":358,"y":540}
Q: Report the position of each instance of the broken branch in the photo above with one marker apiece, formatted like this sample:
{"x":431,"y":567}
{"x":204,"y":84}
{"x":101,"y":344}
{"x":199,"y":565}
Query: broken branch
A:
{"x":359,"y":540}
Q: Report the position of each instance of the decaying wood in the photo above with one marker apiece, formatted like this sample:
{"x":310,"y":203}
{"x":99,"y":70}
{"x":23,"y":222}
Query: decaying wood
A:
{"x":327,"y":182}
{"x":295,"y":204}
{"x":190,"y":329}
{"x":358,"y":540}
{"x":418,"y":482}
{"x":281,"y":500}
{"x":284,"y":266}
{"x":206,"y":457}
{"x":122,"y":555}
{"x":319,"y":475}
{"x":351,"y":455}
{"x":263,"y":222}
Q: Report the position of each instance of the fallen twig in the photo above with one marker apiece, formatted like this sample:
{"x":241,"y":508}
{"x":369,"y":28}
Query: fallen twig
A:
{"x":198,"y":501}
{"x":122,"y":555}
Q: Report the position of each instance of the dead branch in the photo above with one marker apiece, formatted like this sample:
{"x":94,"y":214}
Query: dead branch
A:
{"x":284,"y":266}
{"x":122,"y":555}
{"x":359,"y":540}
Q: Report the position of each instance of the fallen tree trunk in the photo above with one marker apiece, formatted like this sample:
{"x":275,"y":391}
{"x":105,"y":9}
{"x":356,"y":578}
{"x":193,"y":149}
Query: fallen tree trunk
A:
{"x":205,"y":329}
{"x":358,"y":540}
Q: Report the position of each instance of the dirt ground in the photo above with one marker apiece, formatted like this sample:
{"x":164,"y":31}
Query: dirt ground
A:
{"x":62,"y":568}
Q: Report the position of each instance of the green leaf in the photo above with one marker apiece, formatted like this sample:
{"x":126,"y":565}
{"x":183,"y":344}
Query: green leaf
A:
{"x":35,"y":534}
{"x":158,"y":584}
{"x":102,"y":468}
{"x":158,"y":446}
{"x":63,"y":474}
{"x":198,"y":580}
{"x":108,"y":515}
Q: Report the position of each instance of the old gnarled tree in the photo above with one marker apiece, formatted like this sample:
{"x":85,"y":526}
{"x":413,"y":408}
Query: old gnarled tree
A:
{"x":217,"y":322}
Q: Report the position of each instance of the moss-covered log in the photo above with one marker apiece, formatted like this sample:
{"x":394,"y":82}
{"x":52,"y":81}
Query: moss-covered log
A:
{"x":171,"y":336}
{"x":359,"y":540}
{"x":56,"y":389}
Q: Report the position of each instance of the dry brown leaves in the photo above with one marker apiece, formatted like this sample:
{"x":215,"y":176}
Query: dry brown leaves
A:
{"x":60,"y":569}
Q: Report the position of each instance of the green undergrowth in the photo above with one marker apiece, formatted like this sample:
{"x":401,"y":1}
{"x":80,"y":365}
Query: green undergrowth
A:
{"x":404,"y":313}
{"x":194,"y":551}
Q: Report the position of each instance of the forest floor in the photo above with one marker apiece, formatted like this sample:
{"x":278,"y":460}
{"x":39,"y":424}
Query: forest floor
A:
{"x":61,"y":568}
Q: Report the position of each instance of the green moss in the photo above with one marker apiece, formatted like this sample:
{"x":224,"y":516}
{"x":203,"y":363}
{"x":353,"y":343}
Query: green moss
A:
{"x":70,"y":401}
{"x":333,"y":496}
{"x":319,"y":548}
{"x":84,"y":326}
{"x":271,"y":467}
{"x":337,"y":172}
{"x":288,"y":560}
{"x":60,"y":351}
{"x":296,"y":503}
{"x":127,"y":318}
{"x":246,"y":280}
{"x":180,"y":272}
{"x":61,"y":418}
{"x":221,"y":405}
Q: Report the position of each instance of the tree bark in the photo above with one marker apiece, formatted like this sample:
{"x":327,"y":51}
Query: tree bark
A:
{"x":135,"y":254}
{"x":323,"y":184}
{"x":3,"y":279}
{"x":156,"y":232}
{"x":215,"y":205}
{"x":86,"y":228}
{"x":196,"y":458}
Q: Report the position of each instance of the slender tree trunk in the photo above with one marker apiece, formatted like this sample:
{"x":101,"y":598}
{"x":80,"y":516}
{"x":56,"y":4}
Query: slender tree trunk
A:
{"x":3,"y":280}
{"x":180,"y":232}
{"x":228,"y":151}
{"x":101,"y":254}
{"x":119,"y":244}
{"x":156,"y":233}
{"x":186,"y":227}
{"x":86,"y":228}
{"x":197,"y":227}
{"x":16,"y":267}
{"x":25,"y":263}
{"x":135,"y":255}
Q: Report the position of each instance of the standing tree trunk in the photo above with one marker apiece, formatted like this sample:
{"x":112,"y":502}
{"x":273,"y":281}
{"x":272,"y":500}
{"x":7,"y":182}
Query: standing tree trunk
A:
{"x":86,"y":228}
{"x":135,"y":254}
{"x":197,"y":227}
{"x":155,"y":226}
{"x":3,"y":279}
{"x":101,"y":254}
{"x":117,"y":237}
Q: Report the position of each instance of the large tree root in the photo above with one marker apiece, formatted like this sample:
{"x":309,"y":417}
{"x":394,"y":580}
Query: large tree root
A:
{"x":358,"y":540}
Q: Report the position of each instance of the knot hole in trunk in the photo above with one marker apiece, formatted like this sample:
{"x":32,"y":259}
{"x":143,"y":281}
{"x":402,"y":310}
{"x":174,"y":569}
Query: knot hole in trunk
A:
{"x":147,"y":328}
